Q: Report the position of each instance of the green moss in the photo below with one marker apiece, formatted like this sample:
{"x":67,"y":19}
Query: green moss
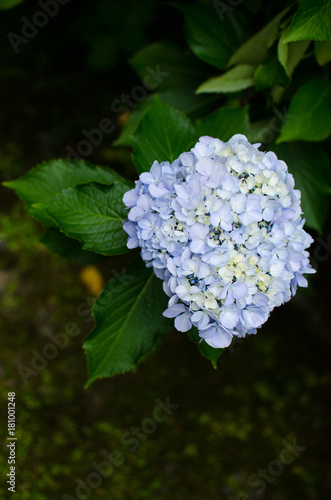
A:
{"x":230,"y":422}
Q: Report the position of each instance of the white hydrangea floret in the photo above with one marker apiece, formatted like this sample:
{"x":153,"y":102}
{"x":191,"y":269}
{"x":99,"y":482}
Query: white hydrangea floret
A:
{"x":222,"y":228}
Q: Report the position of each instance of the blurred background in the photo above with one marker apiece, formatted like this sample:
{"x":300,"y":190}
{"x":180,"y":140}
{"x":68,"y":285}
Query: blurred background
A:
{"x":225,"y":439}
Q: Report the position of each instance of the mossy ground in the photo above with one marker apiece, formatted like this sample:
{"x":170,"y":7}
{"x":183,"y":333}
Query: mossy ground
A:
{"x":230,"y":422}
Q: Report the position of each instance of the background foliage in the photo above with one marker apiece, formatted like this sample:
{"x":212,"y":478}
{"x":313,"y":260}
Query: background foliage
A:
{"x":259,"y":68}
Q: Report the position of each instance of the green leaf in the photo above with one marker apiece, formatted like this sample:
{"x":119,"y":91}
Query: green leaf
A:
{"x":255,"y":50}
{"x":276,"y":93}
{"x":93,"y":214}
{"x":269,"y":74}
{"x":290,"y":54}
{"x":309,"y":114}
{"x":224,"y":123}
{"x":164,"y":65}
{"x":323,"y":52}
{"x":70,"y":248}
{"x":41,"y":184}
{"x":312,"y":21}
{"x":129,"y":322}
{"x":210,"y":37}
{"x":310,"y":167}
{"x":206,"y":350}
{"x":163,"y":134}
{"x":183,"y":99}
{"x":186,"y":101}
{"x":262,"y":131}
{"x":238,"y":78}
{"x":8,"y":4}
{"x":132,"y":122}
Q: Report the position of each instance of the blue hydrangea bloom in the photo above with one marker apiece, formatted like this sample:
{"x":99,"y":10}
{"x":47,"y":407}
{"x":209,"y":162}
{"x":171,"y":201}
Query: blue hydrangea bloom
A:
{"x":222,"y":228}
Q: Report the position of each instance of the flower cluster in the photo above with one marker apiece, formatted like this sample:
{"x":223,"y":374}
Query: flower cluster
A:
{"x":222,"y":228}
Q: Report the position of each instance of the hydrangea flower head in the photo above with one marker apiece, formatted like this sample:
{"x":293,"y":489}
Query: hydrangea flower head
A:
{"x":222,"y":228}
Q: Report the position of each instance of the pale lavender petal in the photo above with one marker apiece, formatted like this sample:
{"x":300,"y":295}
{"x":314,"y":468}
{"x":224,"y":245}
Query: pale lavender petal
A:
{"x":220,"y":340}
{"x":197,"y":246}
{"x":136,"y":213}
{"x":199,"y":232}
{"x":205,"y":166}
{"x":239,"y":289}
{"x":183,"y":323}
{"x":146,"y":178}
{"x":229,"y":317}
{"x":157,"y":190}
{"x":174,"y":310}
{"x":130,"y":198}
{"x":215,"y":219}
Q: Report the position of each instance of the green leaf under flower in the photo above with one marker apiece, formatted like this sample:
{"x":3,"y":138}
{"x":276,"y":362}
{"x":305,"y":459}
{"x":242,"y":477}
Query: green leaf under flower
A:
{"x":206,"y":350}
{"x":129,"y":322}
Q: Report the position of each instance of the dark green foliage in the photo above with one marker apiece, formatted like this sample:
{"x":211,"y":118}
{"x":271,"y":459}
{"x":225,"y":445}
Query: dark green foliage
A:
{"x":260,"y":70}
